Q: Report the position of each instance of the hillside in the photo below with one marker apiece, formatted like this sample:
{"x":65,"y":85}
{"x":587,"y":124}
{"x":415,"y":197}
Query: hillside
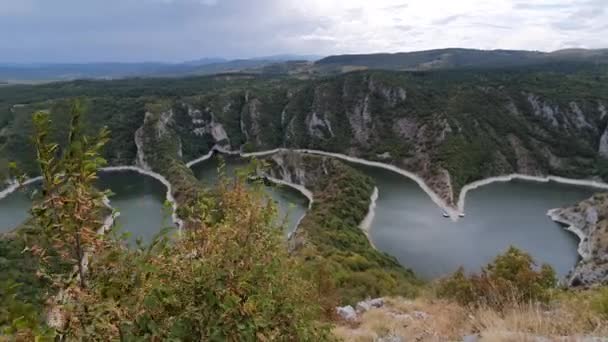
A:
{"x":460,"y":59}
{"x":34,"y":73}
{"x":449,"y":127}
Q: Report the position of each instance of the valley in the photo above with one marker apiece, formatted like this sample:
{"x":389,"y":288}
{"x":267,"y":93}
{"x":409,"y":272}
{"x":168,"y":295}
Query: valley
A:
{"x":375,"y":166}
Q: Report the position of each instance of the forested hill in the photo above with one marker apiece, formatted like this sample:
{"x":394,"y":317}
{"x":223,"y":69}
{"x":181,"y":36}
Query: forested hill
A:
{"x":450,"y":127}
{"x":462,"y":58}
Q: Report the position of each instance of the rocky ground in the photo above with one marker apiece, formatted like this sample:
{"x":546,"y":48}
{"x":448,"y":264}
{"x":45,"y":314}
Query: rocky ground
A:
{"x":400,"y":320}
{"x":589,"y":221}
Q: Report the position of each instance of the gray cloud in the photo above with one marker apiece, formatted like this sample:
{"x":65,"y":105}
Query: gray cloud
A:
{"x":541,"y":6}
{"x":175,"y":30}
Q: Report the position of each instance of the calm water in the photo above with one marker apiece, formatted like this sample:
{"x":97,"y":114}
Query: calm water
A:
{"x":411,"y":227}
{"x":407,"y":224}
{"x":291,"y":204}
{"x":139,"y":199}
{"x":14,"y":209}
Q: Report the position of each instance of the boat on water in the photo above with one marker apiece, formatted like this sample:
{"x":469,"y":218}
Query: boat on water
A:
{"x":446,"y":215}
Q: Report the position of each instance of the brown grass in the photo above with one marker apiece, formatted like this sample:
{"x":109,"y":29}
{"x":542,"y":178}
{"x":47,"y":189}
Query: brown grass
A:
{"x":567,"y":319}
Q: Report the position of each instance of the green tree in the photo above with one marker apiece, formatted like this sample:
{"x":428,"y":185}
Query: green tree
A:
{"x":512,"y":278}
{"x":70,"y":209}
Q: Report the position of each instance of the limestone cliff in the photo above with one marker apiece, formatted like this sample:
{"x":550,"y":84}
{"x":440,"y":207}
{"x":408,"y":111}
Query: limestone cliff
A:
{"x":449,"y":128}
{"x":450,"y":134}
{"x":589,"y":221}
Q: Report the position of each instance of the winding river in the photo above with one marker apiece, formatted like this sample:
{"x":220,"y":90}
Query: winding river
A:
{"x":409,"y":226}
{"x":139,"y":199}
{"x":291,"y":204}
{"x":407,"y":223}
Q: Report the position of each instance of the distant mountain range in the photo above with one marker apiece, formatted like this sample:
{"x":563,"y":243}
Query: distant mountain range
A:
{"x":458,"y":59}
{"x":43,"y":72}
{"x":453,"y":58}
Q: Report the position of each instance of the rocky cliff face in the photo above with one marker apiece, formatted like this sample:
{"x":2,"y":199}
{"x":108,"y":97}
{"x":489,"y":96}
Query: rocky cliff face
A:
{"x":450,"y":128}
{"x":589,"y":221}
{"x":448,"y":132}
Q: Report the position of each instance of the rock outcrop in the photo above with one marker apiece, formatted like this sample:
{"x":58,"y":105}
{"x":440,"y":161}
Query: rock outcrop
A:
{"x":447,"y":135}
{"x":589,"y":221}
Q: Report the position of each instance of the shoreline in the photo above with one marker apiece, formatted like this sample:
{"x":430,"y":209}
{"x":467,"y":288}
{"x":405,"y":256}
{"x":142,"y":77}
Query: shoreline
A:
{"x":453,"y":212}
{"x":14,"y":186}
{"x":366,"y":224}
{"x":421,"y":183}
{"x":583,"y":244}
{"x":301,"y":189}
{"x":169,"y":196}
{"x":519,"y":176}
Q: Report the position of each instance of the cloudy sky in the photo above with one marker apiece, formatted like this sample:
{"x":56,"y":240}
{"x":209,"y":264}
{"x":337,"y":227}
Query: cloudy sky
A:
{"x":178,"y":30}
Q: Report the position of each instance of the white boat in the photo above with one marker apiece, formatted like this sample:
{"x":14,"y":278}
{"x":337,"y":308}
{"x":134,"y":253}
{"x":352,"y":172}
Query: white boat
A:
{"x":445,"y":214}
{"x":461,"y":215}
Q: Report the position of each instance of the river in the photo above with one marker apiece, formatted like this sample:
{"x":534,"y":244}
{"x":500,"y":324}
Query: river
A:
{"x":291,"y":204}
{"x":140,"y":200}
{"x":409,"y":226}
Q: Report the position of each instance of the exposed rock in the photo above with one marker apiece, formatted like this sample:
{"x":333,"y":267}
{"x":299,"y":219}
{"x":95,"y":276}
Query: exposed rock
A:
{"x":603,"y":148}
{"x":579,"y":118}
{"x":406,"y":127}
{"x":140,"y":159}
{"x":543,"y":109}
{"x":206,"y":123}
{"x":385,"y":156}
{"x":347,"y":313}
{"x":589,"y":221}
{"x":290,"y":168}
{"x":318,"y":127}
{"x":250,"y":121}
{"x":366,"y":305}
{"x":363,"y":307}
{"x":376,"y":303}
{"x":360,"y":121}
{"x":392,"y":95}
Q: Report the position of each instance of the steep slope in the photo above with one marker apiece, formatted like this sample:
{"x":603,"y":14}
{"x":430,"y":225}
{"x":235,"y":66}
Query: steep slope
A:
{"x":450,"y":127}
{"x":329,"y":235}
{"x":588,"y":220}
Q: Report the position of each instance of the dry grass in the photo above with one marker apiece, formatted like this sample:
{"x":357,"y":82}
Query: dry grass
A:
{"x":420,"y":320}
{"x":567,"y":319}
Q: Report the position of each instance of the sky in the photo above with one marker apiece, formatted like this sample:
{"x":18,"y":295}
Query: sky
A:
{"x":180,"y":30}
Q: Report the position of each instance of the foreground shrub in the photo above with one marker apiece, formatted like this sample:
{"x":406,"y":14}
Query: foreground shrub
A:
{"x":510,"y":279}
{"x":228,"y":278}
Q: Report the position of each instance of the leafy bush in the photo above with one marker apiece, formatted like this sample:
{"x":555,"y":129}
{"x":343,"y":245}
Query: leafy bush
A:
{"x":229,"y":280}
{"x":511,"y":278}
